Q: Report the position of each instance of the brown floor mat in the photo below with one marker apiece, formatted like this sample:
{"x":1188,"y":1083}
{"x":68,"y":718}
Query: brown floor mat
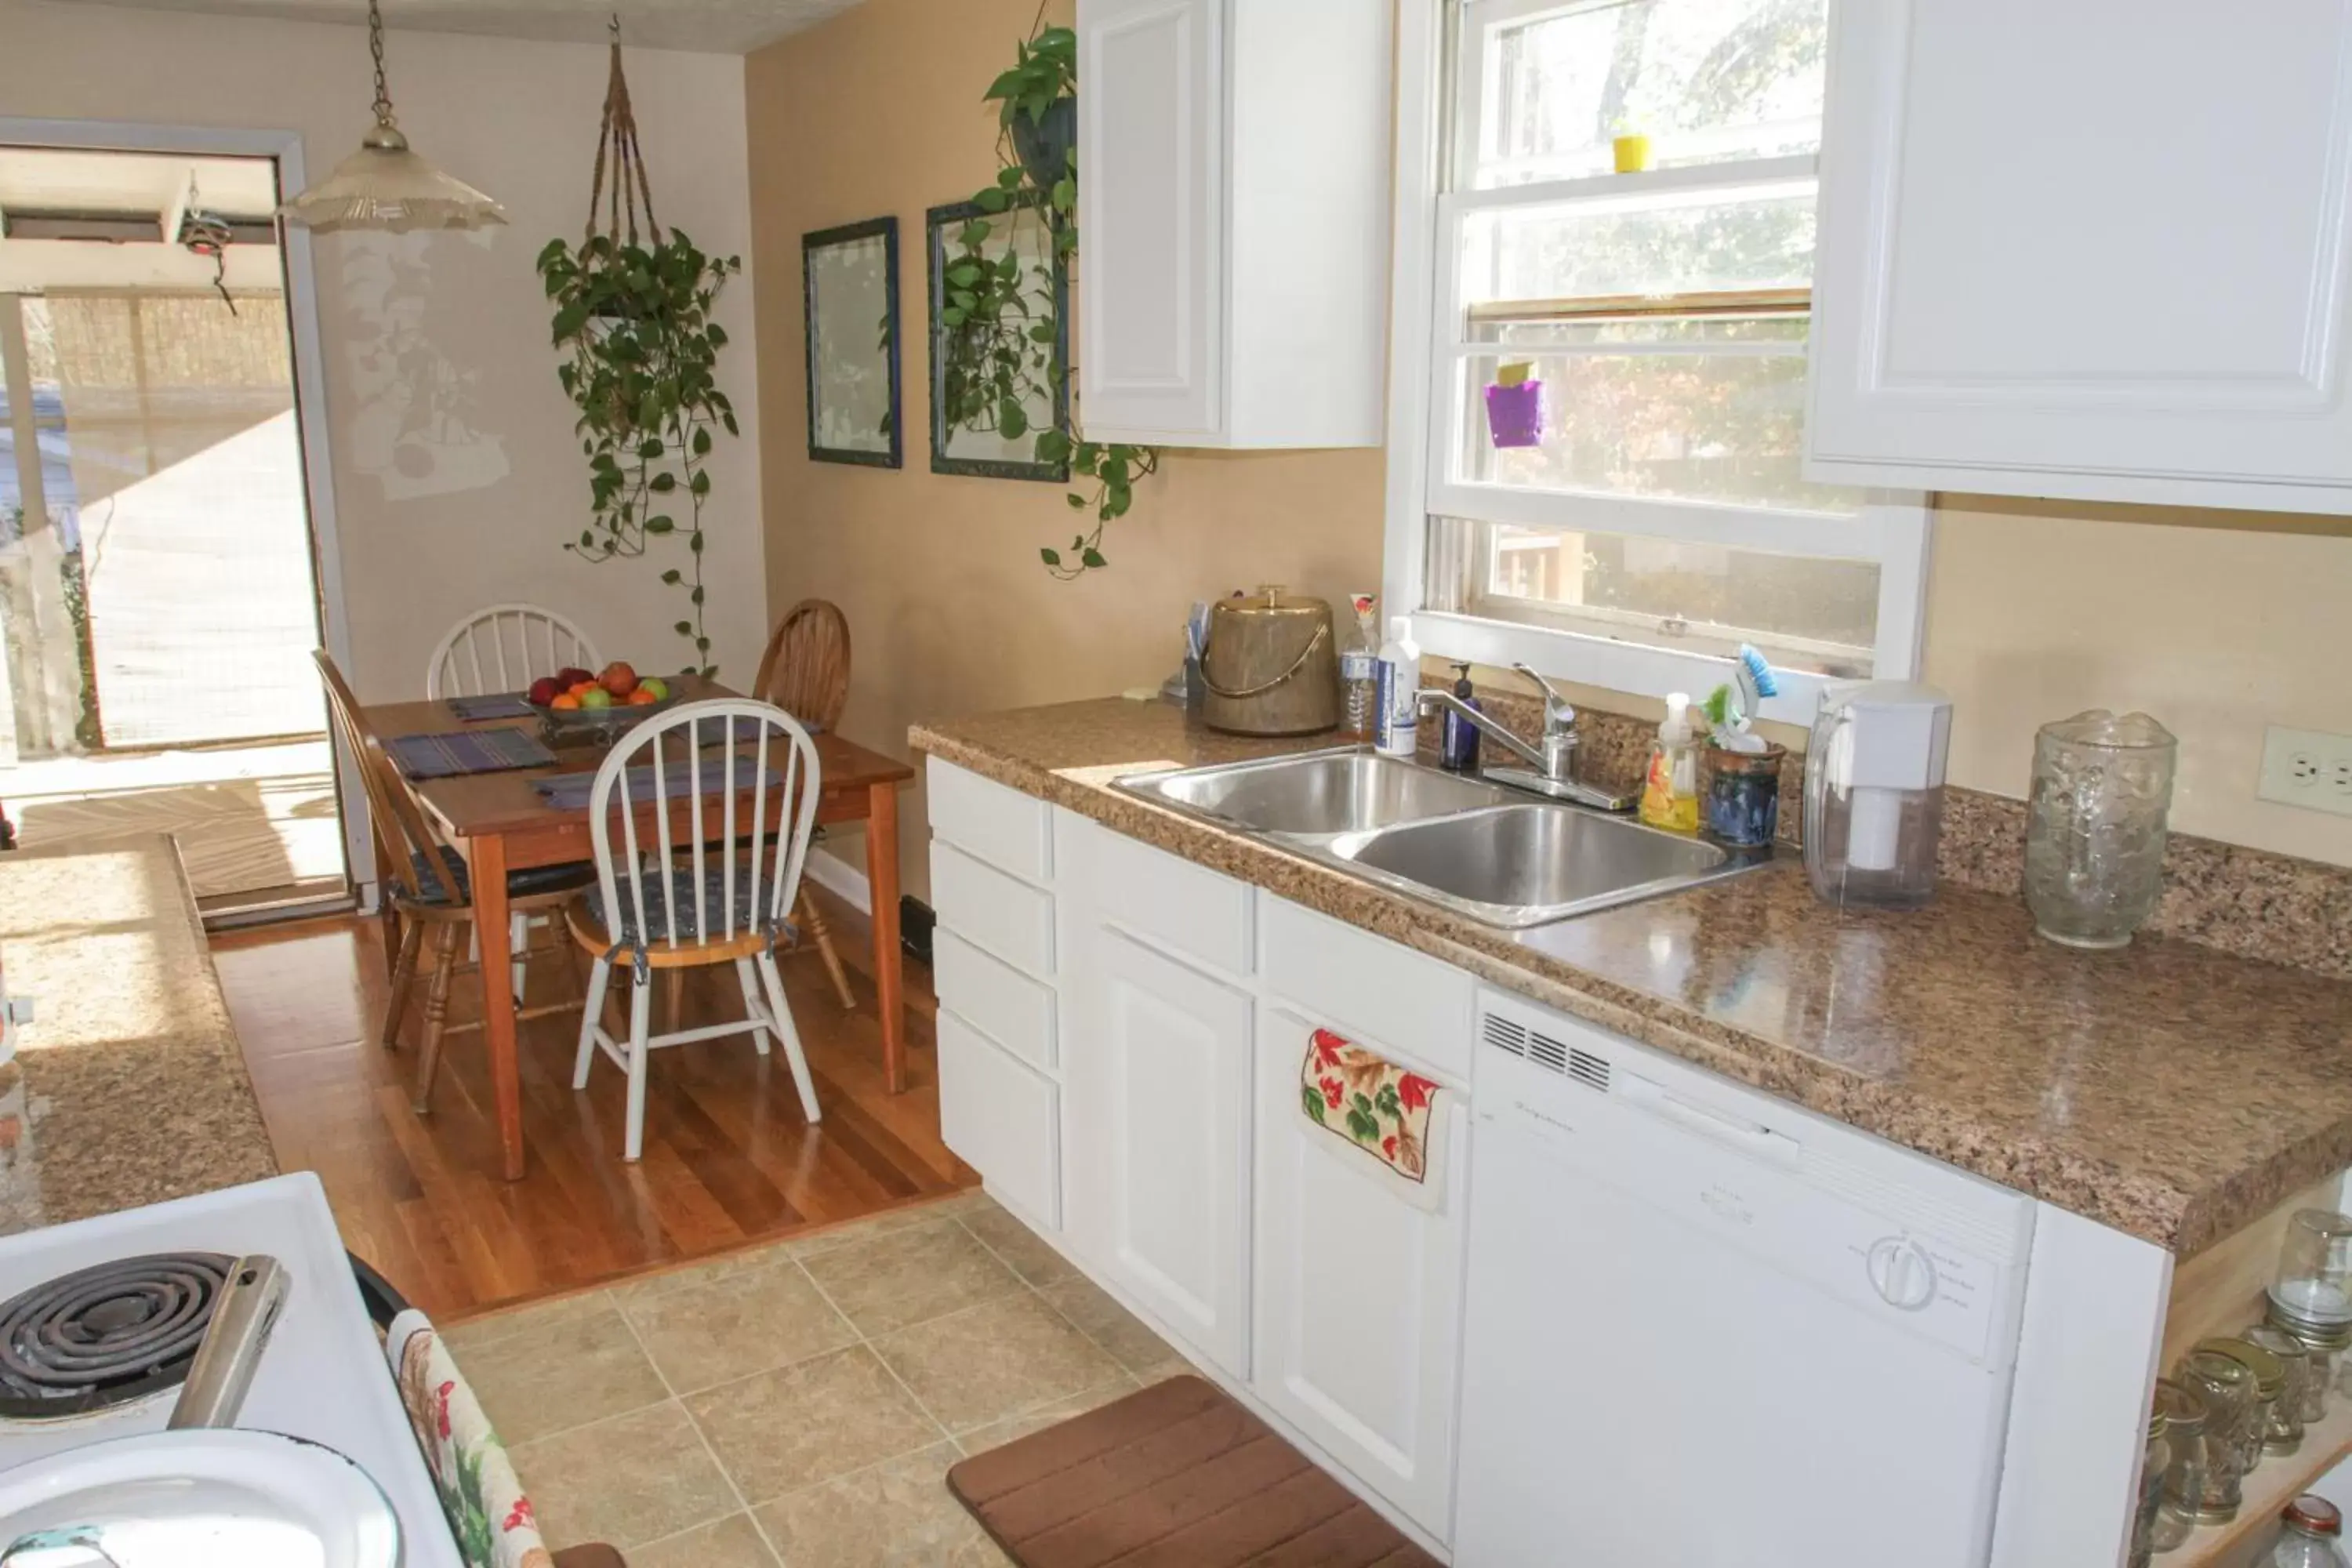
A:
{"x":1178,"y":1476}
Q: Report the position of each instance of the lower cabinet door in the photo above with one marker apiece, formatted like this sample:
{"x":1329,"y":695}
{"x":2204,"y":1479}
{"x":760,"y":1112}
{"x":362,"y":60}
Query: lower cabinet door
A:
{"x":1158,"y":1079}
{"x":1358,"y":1290}
{"x":1000,"y":1116}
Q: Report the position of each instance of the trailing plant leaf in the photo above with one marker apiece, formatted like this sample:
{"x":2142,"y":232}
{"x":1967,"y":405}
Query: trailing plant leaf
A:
{"x":1001,"y":324}
{"x":641,"y":358}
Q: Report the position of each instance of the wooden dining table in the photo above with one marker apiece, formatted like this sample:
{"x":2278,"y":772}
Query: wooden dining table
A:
{"x":499,"y":823}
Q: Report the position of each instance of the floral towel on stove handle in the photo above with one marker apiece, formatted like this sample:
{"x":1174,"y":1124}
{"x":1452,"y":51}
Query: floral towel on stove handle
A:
{"x":1387,"y":1114}
{"x":488,"y":1511}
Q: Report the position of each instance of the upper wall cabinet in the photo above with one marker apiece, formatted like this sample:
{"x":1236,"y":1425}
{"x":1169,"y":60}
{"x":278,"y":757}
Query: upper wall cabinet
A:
{"x":2095,"y":250}
{"x":1233,"y":221}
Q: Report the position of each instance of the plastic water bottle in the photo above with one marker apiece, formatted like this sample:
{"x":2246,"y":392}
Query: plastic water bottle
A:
{"x":1360,"y":671}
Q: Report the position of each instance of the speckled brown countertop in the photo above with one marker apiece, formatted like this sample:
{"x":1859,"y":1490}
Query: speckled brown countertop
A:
{"x":128,"y":1086}
{"x":2169,"y":1091}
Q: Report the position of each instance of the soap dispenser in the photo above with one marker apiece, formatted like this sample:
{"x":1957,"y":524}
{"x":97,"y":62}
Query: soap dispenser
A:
{"x":1457,"y":746}
{"x":1670,"y":792}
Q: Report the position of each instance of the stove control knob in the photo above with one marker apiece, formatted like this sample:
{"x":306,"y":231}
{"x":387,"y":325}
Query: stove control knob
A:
{"x":1902,"y":1273}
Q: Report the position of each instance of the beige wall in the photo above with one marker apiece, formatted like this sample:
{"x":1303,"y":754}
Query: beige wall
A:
{"x":877,"y":111}
{"x":2216,"y":623}
{"x":517,"y":120}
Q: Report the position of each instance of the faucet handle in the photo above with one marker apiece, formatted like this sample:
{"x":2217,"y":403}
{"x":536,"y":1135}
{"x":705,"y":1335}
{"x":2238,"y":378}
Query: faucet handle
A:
{"x":1559,"y":712}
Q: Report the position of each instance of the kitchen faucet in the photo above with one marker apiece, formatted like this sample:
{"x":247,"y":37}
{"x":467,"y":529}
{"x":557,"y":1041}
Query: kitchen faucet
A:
{"x":1551,"y":759}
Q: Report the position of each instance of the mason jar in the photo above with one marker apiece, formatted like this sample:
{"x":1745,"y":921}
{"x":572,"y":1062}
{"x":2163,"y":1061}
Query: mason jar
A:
{"x":2226,"y":1388}
{"x":2186,"y":1462}
{"x":2284,"y":1435}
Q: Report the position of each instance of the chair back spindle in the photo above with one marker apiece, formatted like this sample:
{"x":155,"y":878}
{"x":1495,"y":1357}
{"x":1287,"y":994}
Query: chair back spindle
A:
{"x":504,"y":648}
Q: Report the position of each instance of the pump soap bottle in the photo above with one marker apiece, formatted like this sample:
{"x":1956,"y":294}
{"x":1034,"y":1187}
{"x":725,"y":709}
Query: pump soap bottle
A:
{"x":1670,"y":792}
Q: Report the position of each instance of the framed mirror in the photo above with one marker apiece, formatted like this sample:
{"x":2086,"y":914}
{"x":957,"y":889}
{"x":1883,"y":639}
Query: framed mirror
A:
{"x":850,"y":301}
{"x":1000,"y":342}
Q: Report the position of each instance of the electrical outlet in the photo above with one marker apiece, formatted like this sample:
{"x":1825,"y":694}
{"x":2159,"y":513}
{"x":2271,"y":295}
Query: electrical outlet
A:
{"x":2307,"y":768}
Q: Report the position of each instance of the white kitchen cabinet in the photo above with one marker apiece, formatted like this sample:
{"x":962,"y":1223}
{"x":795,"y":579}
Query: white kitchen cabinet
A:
{"x":2094,"y":250}
{"x":1359,"y":1293}
{"x":1158,"y":1082}
{"x":1233,"y":215}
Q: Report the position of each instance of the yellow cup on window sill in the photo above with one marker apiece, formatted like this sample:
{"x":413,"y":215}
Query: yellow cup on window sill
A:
{"x":1632,"y":154}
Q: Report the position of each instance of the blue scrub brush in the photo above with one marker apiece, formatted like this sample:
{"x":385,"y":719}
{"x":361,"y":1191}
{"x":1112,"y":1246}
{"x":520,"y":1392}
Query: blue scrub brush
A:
{"x":1733,"y":718}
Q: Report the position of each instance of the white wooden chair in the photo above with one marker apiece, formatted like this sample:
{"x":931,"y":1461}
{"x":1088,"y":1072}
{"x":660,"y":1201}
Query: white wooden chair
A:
{"x":504,"y":648}
{"x":713,"y":881}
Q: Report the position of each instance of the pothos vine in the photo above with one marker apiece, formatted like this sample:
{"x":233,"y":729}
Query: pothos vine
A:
{"x":1000,"y":317}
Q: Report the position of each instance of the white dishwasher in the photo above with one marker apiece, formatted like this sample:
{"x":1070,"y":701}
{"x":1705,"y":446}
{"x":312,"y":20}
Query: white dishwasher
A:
{"x":1706,"y":1328}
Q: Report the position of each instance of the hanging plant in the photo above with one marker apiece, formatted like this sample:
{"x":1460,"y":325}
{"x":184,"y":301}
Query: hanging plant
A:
{"x":641,"y":355}
{"x":1003,"y":322}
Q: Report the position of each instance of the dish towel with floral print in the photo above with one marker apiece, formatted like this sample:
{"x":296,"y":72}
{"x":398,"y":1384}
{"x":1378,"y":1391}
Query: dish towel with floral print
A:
{"x":488,"y":1511}
{"x":1386,"y":1114}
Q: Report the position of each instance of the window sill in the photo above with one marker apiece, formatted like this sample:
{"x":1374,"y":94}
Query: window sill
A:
{"x":1634,"y":668}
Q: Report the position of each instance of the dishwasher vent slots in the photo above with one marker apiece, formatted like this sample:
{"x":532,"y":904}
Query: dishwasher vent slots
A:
{"x":1532,"y":1044}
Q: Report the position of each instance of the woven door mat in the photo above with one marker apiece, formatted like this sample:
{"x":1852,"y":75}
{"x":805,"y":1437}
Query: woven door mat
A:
{"x":1178,"y":1476}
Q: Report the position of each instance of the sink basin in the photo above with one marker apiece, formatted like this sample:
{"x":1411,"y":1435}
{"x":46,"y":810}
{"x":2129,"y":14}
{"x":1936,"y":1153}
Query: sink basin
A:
{"x":1523,"y":865}
{"x":1466,"y":845}
{"x":1319,"y":794}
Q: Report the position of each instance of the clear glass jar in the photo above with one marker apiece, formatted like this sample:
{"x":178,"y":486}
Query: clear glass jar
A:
{"x":2096,"y":830}
{"x":2308,"y":1533}
{"x":2313,"y":1282}
{"x":2227,"y":1389}
{"x":2323,"y":1344}
{"x":2285,"y":1433}
{"x":2154,"y":1461}
{"x":2270,"y":1385}
{"x":2185,"y":1465}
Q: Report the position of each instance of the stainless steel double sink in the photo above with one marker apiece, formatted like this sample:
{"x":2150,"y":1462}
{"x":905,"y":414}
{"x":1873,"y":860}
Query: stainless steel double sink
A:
{"x":1480,"y":849}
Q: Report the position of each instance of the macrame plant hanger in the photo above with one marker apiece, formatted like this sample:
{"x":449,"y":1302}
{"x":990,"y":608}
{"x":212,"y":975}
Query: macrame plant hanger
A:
{"x":616,"y":149}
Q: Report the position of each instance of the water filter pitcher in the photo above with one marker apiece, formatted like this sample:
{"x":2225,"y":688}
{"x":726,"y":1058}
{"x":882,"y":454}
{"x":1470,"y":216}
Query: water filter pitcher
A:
{"x":1874,"y":792}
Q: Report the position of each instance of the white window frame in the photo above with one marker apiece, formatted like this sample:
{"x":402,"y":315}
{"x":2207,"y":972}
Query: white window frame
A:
{"x":1893,"y":527}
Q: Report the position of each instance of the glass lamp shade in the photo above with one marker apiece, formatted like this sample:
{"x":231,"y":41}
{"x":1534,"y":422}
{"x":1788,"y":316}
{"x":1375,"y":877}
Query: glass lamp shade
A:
{"x":384,"y":186}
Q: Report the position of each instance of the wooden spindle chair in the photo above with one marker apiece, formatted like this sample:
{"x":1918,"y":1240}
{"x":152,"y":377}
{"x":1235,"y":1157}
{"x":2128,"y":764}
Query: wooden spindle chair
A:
{"x":504,"y":648}
{"x":711,"y":881}
{"x":427,"y":880}
{"x":805,"y":672}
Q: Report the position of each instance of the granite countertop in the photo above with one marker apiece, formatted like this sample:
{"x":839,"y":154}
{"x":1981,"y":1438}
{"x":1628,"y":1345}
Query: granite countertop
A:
{"x":129,"y":1087}
{"x":2170,"y":1090}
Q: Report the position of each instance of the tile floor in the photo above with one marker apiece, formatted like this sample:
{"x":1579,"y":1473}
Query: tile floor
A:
{"x":801,"y":1403}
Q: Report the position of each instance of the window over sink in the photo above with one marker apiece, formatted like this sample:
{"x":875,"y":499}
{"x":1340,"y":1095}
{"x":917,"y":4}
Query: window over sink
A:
{"x":1647,"y":511}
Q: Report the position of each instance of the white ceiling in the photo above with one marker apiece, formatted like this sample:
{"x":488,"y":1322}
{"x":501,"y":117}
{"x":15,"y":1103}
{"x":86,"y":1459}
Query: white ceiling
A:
{"x":707,"y":26}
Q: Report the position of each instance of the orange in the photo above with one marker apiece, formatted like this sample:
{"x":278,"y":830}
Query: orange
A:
{"x":564,"y":699}
{"x":641,"y":698}
{"x":583,"y":687}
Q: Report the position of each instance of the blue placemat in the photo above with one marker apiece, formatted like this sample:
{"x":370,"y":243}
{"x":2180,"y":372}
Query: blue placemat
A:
{"x":467,"y":751}
{"x":492,"y":705}
{"x":570,"y":792}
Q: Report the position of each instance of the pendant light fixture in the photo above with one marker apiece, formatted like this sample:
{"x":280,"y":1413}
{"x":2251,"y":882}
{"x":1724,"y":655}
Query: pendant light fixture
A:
{"x":384,"y":186}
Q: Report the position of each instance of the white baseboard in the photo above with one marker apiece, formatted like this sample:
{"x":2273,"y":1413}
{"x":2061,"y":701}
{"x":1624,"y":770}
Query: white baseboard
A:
{"x":840,"y":879}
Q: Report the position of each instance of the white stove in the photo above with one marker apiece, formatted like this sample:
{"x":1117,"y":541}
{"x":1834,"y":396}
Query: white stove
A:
{"x":323,"y":1375}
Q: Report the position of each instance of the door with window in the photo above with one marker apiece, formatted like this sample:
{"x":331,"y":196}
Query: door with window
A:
{"x":158,"y":601}
{"x":1646,"y":511}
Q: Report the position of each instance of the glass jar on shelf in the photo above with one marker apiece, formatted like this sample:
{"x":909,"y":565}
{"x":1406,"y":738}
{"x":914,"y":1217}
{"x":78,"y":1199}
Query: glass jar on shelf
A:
{"x":2227,"y":1389}
{"x":2186,"y":1462}
{"x":2284,"y":1435}
{"x":2312,"y":1283}
{"x":2270,"y":1384}
{"x":2154,"y":1461}
{"x":2309,"y":1533}
{"x":2326,"y":1345}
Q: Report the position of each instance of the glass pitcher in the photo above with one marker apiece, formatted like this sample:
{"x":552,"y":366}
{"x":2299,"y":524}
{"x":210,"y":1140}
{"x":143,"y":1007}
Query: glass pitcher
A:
{"x":2095,"y":832}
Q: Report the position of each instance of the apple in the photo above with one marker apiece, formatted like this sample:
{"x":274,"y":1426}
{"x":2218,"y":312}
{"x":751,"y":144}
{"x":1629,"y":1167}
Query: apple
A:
{"x":595,"y":697}
{"x":545,"y":691}
{"x":657,"y":686}
{"x":618,"y":679}
{"x":571,"y":675}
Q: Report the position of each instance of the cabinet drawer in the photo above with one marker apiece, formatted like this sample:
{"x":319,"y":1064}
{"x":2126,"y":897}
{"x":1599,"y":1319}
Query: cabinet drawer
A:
{"x":998,"y":1000}
{"x":1182,"y":906}
{"x":1390,"y":995}
{"x":1010,"y":830}
{"x":995,"y":913}
{"x":1002,"y":1119}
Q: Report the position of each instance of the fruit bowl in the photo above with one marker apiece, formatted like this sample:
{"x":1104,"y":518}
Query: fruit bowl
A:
{"x":610,"y":701}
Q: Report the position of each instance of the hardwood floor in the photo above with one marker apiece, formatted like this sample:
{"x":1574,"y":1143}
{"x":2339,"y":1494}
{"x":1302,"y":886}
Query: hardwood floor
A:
{"x":728,"y":1160}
